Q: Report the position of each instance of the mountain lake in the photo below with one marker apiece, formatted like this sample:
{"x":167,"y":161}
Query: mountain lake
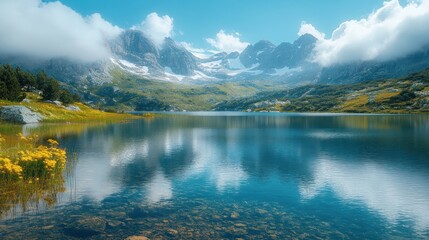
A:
{"x":229,"y":175}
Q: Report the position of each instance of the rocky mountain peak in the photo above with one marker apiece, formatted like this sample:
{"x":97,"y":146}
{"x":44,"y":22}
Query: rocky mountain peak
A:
{"x":305,"y":40}
{"x":177,"y":58}
{"x":257,"y":53}
{"x":134,"y":43}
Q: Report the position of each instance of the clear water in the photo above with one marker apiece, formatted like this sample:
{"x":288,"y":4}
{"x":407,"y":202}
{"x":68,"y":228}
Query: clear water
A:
{"x":250,"y":176}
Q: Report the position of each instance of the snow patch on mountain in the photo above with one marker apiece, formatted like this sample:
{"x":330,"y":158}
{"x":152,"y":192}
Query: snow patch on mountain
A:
{"x":130,"y":67}
{"x":235,"y":63}
{"x":285,"y":70}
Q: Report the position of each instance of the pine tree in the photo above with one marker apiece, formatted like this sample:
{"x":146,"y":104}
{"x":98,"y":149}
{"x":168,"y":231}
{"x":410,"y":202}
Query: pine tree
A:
{"x":41,"y":80}
{"x":25,"y":79}
{"x":11,"y":84}
{"x":51,"y":90}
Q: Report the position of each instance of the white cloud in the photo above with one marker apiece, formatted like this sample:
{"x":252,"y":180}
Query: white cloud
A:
{"x":391,"y":32}
{"x":157,"y":28}
{"x":197,"y":52}
{"x":227,"y":42}
{"x":50,"y":30}
{"x":307,"y":28}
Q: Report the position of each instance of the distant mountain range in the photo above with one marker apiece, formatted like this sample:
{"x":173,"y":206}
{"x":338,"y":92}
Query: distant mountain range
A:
{"x":134,"y":53}
{"x":288,"y":64}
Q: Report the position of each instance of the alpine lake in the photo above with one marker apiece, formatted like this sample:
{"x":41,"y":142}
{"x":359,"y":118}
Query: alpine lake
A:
{"x":229,"y":175}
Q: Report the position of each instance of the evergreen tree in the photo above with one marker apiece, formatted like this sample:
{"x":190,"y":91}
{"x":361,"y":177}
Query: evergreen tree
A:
{"x":25,"y":79}
{"x":41,"y":80}
{"x":14,"y":81}
{"x":11,"y":84}
{"x":3,"y":89}
{"x":51,"y":90}
{"x":66,"y":97}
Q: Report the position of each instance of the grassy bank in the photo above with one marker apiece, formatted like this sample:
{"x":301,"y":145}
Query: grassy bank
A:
{"x":54,"y":113}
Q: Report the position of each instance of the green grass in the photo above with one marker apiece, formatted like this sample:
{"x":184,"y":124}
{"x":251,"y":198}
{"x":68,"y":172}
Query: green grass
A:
{"x":402,"y":95}
{"x":385,"y":96}
{"x":53,"y":113}
{"x":356,"y":104}
{"x":171,"y":95}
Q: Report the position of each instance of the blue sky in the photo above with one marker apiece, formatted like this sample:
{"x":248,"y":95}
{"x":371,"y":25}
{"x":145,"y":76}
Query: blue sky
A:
{"x":196,"y":20}
{"x":82,"y":29}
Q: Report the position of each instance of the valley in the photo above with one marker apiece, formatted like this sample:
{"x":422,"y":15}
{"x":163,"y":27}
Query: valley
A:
{"x":141,"y":75}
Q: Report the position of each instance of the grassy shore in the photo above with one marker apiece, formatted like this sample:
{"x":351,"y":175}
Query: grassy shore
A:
{"x":32,"y":166}
{"x":53,"y":113}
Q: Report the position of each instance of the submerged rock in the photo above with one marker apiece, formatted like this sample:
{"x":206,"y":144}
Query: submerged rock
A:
{"x":19,"y":114}
{"x":137,"y":238}
{"x":86,"y":227}
{"x":234,"y":215}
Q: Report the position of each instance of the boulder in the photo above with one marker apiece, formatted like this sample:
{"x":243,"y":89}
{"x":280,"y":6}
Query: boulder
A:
{"x":58,"y":103}
{"x":19,"y":114}
{"x":73,"y":108}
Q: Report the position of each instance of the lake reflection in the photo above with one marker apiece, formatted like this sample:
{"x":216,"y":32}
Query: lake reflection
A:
{"x":327,"y":176}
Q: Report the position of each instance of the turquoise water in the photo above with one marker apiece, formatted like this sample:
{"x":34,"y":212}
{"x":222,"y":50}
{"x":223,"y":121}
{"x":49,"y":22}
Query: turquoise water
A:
{"x":236,"y":175}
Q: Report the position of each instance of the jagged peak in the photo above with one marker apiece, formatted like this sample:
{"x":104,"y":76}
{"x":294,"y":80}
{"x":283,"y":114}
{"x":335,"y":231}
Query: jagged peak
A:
{"x":305,"y":39}
{"x":263,"y":44}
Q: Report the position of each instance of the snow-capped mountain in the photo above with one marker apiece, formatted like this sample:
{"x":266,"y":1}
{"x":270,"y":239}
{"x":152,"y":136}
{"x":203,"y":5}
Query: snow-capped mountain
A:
{"x":134,"y":53}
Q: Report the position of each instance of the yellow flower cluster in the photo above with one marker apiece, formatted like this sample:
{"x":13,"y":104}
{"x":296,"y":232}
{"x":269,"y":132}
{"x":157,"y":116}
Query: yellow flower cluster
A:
{"x":33,"y":162}
{"x":28,"y":139}
{"x":51,"y":157}
{"x":9,"y":168}
{"x":52,"y":142}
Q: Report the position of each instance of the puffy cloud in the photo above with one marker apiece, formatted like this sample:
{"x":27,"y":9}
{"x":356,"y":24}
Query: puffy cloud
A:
{"x":156,"y":27}
{"x":307,"y":28}
{"x":50,"y":30}
{"x":227,"y":42}
{"x":390,"y":32}
{"x":198,"y":52}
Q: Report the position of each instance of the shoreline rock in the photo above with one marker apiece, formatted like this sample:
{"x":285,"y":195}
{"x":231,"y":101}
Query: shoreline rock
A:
{"x":19,"y":114}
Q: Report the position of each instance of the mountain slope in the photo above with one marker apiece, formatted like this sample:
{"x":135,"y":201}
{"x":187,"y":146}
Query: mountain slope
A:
{"x":142,"y":75}
{"x":403,"y":95}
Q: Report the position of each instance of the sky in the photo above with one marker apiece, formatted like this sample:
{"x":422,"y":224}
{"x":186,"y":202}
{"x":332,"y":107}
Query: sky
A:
{"x":346,"y":31}
{"x":196,"y":20}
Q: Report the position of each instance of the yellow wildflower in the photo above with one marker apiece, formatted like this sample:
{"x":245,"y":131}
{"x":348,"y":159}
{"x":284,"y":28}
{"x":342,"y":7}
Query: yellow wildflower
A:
{"x":22,"y":137}
{"x":52,"y":142}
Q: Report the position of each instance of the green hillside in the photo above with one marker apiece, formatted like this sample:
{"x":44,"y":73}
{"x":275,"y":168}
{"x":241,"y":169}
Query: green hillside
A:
{"x":403,"y":95}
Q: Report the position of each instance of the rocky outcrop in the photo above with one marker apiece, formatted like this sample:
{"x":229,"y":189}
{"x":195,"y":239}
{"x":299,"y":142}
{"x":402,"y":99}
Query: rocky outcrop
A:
{"x":19,"y":114}
{"x":257,"y":54}
{"x":177,"y":58}
{"x":134,"y":47}
{"x":73,"y":108}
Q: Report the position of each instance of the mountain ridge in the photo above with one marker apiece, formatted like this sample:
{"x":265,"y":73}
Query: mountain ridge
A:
{"x":263,"y":64}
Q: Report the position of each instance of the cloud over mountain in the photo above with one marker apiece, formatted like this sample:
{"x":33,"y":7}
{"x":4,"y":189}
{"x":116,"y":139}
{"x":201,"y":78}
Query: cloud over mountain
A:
{"x":307,"y":28}
{"x":227,"y":42}
{"x":49,"y":30}
{"x":157,"y":28}
{"x":390,"y":32}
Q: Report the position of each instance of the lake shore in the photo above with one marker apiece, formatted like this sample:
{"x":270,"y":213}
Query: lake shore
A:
{"x":50,"y":112}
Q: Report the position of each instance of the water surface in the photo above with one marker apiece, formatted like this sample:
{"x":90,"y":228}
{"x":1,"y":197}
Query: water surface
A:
{"x":236,"y":175}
